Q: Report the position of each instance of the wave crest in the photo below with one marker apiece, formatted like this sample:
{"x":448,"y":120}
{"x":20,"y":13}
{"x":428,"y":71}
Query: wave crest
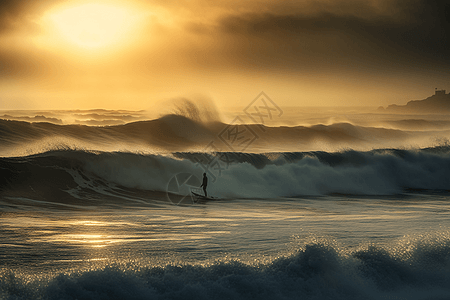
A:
{"x":70,"y":176}
{"x":319,"y":270}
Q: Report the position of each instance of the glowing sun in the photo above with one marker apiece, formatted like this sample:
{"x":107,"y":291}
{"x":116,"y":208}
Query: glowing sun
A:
{"x":93,"y":25}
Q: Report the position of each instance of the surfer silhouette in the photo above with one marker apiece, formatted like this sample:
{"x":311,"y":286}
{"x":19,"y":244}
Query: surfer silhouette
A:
{"x":205,"y":184}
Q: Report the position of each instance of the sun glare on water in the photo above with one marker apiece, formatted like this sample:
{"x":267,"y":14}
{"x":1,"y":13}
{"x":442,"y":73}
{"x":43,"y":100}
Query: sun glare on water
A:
{"x":93,"y":25}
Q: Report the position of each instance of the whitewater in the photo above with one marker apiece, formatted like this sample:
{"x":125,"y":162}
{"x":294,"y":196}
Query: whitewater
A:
{"x":324,"y":205}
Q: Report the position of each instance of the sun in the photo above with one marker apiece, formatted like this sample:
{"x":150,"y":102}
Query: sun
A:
{"x":94,"y":25}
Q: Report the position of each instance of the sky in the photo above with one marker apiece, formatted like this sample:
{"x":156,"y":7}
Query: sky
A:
{"x":136,"y":54}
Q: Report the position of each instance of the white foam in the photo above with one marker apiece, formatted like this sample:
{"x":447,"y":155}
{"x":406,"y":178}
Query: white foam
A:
{"x":363,"y":173}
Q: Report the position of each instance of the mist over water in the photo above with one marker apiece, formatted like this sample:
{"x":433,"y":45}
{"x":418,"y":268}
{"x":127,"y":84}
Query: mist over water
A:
{"x":319,"y":203}
{"x":200,"y":127}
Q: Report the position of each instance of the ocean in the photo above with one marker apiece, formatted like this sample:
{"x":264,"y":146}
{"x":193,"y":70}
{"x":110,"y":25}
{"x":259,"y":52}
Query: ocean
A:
{"x":324,"y":204}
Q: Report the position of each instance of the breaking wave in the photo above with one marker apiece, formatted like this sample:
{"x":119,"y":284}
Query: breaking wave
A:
{"x":417,"y":268}
{"x":84,"y":177}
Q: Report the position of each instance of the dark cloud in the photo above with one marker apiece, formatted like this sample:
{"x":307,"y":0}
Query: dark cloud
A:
{"x":14,"y":13}
{"x":12,"y":6}
{"x":9,"y":12}
{"x":415,"y":34}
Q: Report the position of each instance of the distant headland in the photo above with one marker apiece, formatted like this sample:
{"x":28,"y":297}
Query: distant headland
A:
{"x":437,"y":103}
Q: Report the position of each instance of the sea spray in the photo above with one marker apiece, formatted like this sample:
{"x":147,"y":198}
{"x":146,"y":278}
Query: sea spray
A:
{"x":86,"y":174}
{"x":317,"y":270}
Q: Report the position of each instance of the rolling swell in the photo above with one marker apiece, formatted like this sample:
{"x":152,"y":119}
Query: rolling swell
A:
{"x":173,"y":133}
{"x":417,"y":269}
{"x":169,"y":132}
{"x":93,"y":178}
{"x":64,"y":178}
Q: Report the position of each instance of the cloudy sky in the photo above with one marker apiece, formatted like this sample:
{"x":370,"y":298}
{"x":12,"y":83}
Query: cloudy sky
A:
{"x":57,"y":54}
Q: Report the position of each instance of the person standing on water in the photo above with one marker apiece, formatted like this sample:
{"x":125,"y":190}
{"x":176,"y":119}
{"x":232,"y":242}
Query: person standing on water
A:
{"x":205,"y":184}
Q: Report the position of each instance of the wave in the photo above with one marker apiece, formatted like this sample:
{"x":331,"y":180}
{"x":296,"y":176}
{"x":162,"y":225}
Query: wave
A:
{"x":97,"y":117}
{"x":417,"y":124}
{"x":92,"y":178}
{"x":415,"y":269}
{"x":178,"y":133}
{"x":19,"y":138}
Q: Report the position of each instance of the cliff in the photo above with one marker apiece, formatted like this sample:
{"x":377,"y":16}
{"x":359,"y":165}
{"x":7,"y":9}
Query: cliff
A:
{"x":437,"y":103}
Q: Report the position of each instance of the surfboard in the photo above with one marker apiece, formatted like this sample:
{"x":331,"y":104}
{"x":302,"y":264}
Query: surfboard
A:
{"x":201,"y":197}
